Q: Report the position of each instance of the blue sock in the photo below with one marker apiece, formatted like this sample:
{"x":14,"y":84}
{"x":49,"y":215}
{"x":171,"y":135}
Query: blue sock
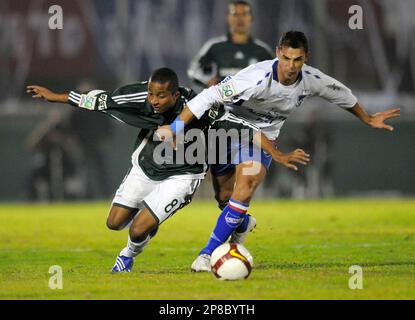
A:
{"x":244,"y":225}
{"x":230,"y":219}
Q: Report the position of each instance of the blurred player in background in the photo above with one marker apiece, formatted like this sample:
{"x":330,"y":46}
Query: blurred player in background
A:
{"x":69,"y":160}
{"x":92,"y":133}
{"x":53,"y":165}
{"x":229,"y":54}
{"x":265,"y":94}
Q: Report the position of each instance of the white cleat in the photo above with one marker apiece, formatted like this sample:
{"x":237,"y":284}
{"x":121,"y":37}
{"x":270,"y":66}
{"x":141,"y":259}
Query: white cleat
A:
{"x":240,"y":237}
{"x":201,"y":264}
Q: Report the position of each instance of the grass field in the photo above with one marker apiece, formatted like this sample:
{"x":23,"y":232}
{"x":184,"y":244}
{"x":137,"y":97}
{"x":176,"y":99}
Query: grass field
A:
{"x":302,"y":250}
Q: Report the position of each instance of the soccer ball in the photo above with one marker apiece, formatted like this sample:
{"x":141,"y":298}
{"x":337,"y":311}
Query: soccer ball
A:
{"x":231,"y":261}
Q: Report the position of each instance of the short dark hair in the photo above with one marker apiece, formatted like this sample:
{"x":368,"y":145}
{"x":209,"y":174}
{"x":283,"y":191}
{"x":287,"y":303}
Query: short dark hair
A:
{"x":166,"y":75}
{"x":240,"y":2}
{"x":294,"y":39}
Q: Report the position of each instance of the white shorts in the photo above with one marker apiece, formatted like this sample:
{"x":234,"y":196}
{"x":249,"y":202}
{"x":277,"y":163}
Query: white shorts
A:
{"x":162,"y":198}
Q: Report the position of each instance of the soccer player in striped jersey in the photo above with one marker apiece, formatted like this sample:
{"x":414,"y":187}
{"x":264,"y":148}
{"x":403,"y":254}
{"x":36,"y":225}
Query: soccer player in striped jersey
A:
{"x":230,"y":53}
{"x":265,"y":93}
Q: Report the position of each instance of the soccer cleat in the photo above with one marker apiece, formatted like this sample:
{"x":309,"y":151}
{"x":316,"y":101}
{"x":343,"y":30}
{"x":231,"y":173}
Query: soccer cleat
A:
{"x":240,"y":237}
{"x":123,"y":264}
{"x":201,"y":264}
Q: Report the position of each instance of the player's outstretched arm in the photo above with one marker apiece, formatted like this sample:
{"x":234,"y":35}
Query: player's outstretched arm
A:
{"x":286,"y":159}
{"x":376,"y":121}
{"x":46,"y":94}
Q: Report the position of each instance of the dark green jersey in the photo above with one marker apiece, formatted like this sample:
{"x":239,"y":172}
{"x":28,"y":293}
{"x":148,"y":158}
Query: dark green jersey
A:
{"x":220,"y":57}
{"x":129,"y":104}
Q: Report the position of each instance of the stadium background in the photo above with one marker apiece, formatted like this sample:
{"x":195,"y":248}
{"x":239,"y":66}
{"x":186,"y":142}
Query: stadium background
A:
{"x":108,"y":44}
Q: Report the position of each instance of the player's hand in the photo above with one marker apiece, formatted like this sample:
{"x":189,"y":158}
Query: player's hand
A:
{"x":297,"y":156}
{"x":43,"y":93}
{"x":165,"y":134}
{"x":377,"y":121}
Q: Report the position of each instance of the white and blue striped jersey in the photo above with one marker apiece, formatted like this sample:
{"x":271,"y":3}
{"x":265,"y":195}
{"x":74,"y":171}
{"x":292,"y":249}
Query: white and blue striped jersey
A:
{"x":255,"y":94}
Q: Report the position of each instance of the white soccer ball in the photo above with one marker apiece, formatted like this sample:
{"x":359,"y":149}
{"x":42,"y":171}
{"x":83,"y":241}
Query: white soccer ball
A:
{"x":231,"y":261}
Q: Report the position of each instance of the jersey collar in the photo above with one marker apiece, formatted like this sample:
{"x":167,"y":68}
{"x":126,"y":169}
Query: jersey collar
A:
{"x":275,"y":73}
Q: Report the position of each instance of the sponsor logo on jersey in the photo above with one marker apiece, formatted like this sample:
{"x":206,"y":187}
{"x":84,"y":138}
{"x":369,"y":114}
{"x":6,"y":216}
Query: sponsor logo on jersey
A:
{"x":269,"y":117}
{"x":334,"y":87}
{"x":102,"y":102}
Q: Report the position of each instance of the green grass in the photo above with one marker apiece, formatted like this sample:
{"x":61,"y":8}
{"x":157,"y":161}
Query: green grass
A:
{"x":302,"y":250}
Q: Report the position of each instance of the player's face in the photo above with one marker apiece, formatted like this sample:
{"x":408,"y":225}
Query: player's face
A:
{"x":239,"y":19}
{"x":290,"y":63}
{"x":160,"y":96}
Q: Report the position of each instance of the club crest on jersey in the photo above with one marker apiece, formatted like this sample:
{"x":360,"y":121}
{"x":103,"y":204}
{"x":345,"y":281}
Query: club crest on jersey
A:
{"x":239,"y":55}
{"x":227,"y":90}
{"x":214,"y":111}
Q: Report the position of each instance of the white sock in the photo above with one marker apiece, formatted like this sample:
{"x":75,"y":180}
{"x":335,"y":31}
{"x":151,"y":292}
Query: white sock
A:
{"x":133,"y":249}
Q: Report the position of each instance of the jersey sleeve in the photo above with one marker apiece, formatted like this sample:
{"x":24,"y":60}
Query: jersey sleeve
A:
{"x":245,"y":82}
{"x":126,"y":104}
{"x":334,"y":91}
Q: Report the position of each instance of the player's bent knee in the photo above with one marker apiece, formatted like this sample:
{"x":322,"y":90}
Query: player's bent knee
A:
{"x":113,"y":225}
{"x":119,"y":218}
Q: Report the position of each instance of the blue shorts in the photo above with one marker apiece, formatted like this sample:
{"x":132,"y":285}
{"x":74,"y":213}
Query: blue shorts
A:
{"x":237,"y":154}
